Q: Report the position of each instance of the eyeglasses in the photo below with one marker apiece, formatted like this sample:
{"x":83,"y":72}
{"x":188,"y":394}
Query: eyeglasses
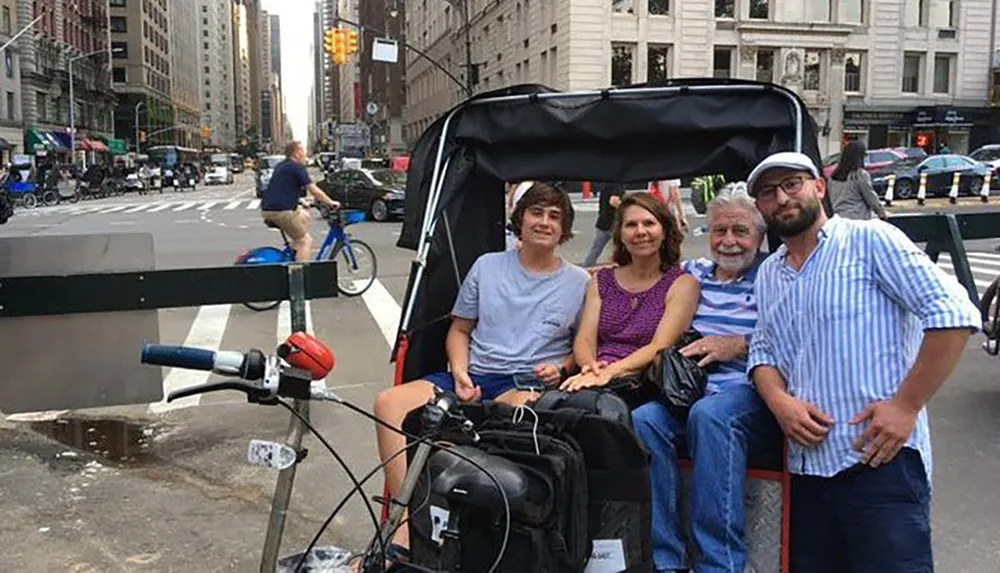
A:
{"x":790,"y":185}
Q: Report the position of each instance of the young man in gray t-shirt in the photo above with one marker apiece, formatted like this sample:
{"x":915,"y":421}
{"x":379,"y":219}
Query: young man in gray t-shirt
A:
{"x":512,"y":325}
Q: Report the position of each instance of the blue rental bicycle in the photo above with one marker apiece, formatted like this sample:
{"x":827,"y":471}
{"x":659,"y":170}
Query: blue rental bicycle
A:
{"x":355,"y":255}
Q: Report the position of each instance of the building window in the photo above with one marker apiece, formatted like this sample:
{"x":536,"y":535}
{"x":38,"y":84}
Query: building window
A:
{"x":725,"y":8}
{"x":119,"y":50}
{"x":119,"y":24}
{"x":759,"y":9}
{"x":851,"y":11}
{"x":621,"y":64}
{"x":10,"y":106}
{"x":722,"y":63}
{"x":853,"y":66}
{"x":8,"y":63}
{"x":659,"y":7}
{"x":658,"y":63}
{"x":622,"y":7}
{"x":118,"y":75}
{"x":916,"y":13}
{"x":6,"y":20}
{"x":813,"y":71}
{"x":765,"y":66}
{"x":817,"y":10}
{"x":942,"y":73}
{"x":118,"y":3}
{"x":911,"y":73}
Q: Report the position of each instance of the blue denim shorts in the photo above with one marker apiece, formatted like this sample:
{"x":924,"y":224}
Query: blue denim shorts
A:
{"x":492,"y":385}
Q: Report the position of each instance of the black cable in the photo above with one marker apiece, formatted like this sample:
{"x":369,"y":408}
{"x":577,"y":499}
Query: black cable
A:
{"x":347,"y":497}
{"x":333,"y":452}
{"x":410,"y":514}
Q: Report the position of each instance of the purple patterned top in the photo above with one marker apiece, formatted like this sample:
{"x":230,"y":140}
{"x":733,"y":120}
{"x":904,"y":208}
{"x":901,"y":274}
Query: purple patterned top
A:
{"x":628,"y":320}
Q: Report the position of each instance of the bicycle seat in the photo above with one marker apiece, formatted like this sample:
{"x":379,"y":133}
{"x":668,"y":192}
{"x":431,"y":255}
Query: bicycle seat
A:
{"x":271,"y":225}
{"x":465,"y":485}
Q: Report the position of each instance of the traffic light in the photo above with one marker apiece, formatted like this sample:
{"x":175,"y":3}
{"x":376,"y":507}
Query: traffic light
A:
{"x":335,"y":45}
{"x":352,"y":41}
{"x":142,"y":136}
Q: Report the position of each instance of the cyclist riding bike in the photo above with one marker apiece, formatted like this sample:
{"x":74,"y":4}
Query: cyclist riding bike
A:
{"x":280,"y":202}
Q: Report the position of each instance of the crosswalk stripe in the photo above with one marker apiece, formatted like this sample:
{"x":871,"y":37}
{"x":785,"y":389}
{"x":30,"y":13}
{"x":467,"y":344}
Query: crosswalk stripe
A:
{"x":253,"y":204}
{"x":208,"y":205}
{"x":206,"y":332}
{"x":979,"y":283}
{"x":137,"y":208}
{"x":114,"y":209}
{"x":186,"y":205}
{"x":384,"y":309}
{"x":232,"y":205}
{"x":161,"y":207}
{"x":977,"y":260}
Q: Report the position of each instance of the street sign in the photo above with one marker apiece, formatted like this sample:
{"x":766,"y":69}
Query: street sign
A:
{"x":357,"y":129}
{"x":385,"y":50}
{"x":371,"y":108}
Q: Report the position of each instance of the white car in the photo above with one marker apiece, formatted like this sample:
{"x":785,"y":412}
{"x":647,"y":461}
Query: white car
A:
{"x":218,"y":175}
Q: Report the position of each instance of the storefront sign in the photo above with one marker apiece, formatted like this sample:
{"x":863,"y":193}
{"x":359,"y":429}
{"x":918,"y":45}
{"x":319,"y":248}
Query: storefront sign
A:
{"x":866,"y":118}
{"x":944,"y":116}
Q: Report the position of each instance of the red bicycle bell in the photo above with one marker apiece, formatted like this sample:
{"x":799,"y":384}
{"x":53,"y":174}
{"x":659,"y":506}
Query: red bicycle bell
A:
{"x":304,"y":351}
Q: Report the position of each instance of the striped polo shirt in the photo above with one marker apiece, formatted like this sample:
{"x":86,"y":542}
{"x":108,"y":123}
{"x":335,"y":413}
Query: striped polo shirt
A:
{"x":726,"y":308}
{"x":845,"y":329}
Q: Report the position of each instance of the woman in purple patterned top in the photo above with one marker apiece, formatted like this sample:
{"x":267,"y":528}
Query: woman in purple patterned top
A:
{"x":641,"y":306}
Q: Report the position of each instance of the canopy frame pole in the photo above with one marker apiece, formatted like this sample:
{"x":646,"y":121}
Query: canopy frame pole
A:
{"x":429,"y":223}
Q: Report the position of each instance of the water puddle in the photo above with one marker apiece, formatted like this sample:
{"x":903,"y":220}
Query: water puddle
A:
{"x":120,"y":441}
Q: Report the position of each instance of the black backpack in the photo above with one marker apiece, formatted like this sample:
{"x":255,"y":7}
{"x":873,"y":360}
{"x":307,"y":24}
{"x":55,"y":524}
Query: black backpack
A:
{"x":549,"y":531}
{"x":619,"y":496}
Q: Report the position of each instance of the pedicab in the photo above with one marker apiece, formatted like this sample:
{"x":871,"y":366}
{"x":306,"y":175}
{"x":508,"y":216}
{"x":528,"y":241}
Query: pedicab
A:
{"x":454,"y":206}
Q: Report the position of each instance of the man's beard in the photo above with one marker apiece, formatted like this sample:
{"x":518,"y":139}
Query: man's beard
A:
{"x":734,"y":262}
{"x":808,"y":213}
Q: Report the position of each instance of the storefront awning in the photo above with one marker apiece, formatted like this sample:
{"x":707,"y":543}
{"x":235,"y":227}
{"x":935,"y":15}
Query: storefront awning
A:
{"x":36,"y":140}
{"x":62,"y":138}
{"x":93,"y":145}
{"x":4,"y":144}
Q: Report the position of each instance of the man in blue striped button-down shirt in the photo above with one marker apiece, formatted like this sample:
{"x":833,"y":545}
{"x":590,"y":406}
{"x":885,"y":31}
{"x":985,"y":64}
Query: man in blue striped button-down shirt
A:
{"x":856,"y":330}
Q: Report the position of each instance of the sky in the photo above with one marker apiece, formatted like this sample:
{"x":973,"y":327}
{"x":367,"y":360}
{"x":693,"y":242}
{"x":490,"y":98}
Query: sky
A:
{"x":296,"y":58}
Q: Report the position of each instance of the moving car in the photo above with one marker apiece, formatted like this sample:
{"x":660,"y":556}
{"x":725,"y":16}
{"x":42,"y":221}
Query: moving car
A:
{"x":940,"y":170}
{"x":219,"y":170}
{"x":990,"y":155}
{"x":265,"y":168}
{"x":380,"y":192}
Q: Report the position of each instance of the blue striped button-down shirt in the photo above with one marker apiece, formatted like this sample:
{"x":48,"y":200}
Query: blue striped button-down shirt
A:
{"x":845,"y":329}
{"x":726,"y":308}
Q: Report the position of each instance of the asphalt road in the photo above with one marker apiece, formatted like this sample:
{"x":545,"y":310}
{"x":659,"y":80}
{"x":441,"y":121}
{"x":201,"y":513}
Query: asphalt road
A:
{"x":186,"y":496}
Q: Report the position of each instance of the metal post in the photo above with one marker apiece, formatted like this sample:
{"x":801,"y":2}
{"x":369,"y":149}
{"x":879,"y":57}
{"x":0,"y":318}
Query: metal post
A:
{"x":137,"y":106}
{"x":72,"y":119}
{"x":286,"y":478}
{"x":18,"y":35}
{"x":468,"y":49}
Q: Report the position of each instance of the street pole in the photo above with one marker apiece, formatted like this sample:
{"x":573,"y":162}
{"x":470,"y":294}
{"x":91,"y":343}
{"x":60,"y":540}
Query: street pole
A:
{"x":72,"y":120}
{"x":137,"y":106}
{"x":468,"y":50}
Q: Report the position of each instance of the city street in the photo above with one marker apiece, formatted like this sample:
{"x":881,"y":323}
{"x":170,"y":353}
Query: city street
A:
{"x":180,"y":493}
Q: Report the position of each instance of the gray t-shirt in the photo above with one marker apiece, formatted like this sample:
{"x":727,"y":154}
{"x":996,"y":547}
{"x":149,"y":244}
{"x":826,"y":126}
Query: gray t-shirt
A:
{"x":523,"y":319}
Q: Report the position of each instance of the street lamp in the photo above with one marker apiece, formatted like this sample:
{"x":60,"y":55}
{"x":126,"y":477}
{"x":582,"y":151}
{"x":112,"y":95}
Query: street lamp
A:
{"x":72,"y":119}
{"x":468,"y":41}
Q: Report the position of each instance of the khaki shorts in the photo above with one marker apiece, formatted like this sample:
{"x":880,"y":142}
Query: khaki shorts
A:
{"x":293,"y":223}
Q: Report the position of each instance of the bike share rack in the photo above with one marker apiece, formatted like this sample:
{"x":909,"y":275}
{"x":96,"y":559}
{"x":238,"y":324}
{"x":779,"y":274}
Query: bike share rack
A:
{"x":49,"y":295}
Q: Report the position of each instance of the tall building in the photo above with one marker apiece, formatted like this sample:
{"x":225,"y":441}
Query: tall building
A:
{"x":242,"y":62}
{"x":215,"y":36}
{"x":280,"y":134}
{"x":67,"y":31}
{"x":350,"y":87}
{"x":265,"y":94}
{"x":141,"y":33}
{"x":382,"y":82}
{"x":186,"y":73}
{"x":891,"y":72}
{"x":326,"y":79}
{"x":11,"y":121}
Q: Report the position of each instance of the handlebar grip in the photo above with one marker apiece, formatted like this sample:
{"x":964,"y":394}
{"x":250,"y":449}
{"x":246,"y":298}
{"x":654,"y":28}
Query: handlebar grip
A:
{"x":178,"y":356}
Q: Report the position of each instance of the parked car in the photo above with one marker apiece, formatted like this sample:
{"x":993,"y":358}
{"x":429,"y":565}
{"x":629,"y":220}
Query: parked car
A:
{"x":380,"y":192}
{"x":875,"y":159}
{"x":990,"y":155}
{"x":265,"y":167}
{"x":940,"y":170}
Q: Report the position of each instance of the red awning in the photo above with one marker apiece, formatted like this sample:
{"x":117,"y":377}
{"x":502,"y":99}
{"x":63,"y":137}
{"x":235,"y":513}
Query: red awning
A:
{"x":94,"y":145}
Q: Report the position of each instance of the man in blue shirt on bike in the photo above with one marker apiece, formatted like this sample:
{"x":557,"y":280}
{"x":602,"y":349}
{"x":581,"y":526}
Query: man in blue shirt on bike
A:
{"x":280,"y":202}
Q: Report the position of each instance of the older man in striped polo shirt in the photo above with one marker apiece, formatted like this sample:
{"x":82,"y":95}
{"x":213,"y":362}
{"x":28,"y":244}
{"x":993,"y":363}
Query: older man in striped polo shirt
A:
{"x":856,"y":330}
{"x":729,"y":424}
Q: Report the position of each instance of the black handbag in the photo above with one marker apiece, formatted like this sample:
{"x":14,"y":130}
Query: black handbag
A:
{"x":679,"y":381}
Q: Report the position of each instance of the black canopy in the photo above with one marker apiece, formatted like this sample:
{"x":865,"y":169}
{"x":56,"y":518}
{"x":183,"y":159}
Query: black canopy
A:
{"x":634,"y":135}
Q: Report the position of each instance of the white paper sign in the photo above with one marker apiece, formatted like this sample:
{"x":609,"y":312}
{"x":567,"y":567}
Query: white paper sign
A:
{"x":608,"y":556}
{"x":439,"y":522}
{"x":385,"y":50}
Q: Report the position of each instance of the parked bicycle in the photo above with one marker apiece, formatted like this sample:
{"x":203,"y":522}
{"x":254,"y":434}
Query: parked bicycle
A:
{"x":339,"y":245}
{"x":289,"y":374}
